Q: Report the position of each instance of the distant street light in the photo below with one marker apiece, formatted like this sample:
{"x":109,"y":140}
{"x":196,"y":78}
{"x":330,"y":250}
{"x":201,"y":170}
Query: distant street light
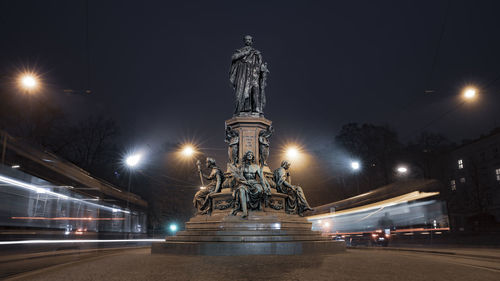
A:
{"x":402,"y":170}
{"x":173,"y":227}
{"x":133,"y":160}
{"x":355,"y":165}
{"x":470,"y":93}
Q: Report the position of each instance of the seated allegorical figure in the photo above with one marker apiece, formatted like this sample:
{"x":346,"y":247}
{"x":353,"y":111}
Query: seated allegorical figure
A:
{"x":201,"y":200}
{"x":251,"y":186}
{"x":296,"y":202}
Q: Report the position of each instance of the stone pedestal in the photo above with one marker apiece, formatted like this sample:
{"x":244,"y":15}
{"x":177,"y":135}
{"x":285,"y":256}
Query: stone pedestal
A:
{"x":267,"y":232}
{"x":249,"y":128}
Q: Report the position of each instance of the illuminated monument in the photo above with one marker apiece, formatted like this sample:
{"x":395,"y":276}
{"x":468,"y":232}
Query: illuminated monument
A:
{"x":248,"y":210}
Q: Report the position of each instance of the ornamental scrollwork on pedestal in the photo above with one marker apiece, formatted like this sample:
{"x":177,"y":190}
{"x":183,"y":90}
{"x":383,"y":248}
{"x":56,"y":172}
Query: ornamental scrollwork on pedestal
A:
{"x":276,"y":204}
{"x":223,"y":204}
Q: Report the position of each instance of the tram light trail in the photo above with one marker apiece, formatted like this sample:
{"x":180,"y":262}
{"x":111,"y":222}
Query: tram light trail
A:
{"x":66,"y":241}
{"x":68,"y":219}
{"x":46,"y":191}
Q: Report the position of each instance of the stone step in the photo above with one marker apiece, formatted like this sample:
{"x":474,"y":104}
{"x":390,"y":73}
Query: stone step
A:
{"x":251,"y":218}
{"x":248,"y":248}
{"x":250,"y":232}
{"x":247,"y":225}
{"x":227,"y":238}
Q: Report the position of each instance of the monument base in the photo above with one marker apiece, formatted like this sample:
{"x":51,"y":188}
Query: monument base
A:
{"x":248,"y":248}
{"x":270,"y":232}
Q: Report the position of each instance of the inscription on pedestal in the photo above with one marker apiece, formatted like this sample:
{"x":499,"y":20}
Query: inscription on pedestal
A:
{"x":248,"y":141}
{"x":248,"y":129}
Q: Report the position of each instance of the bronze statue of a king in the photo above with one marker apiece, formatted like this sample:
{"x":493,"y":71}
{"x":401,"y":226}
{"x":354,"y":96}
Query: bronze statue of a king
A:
{"x":248,"y":77}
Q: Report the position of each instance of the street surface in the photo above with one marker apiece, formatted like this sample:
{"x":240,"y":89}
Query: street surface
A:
{"x":355,"y":264}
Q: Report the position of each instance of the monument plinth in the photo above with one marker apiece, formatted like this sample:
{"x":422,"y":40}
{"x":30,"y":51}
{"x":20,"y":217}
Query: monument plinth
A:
{"x":249,"y":129}
{"x":248,"y":210}
{"x":268,"y":232}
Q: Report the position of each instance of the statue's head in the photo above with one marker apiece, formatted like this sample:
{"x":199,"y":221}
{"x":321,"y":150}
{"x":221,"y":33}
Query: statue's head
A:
{"x":248,"y":40}
{"x":249,"y":157}
{"x":285,"y":164}
{"x":210,"y":162}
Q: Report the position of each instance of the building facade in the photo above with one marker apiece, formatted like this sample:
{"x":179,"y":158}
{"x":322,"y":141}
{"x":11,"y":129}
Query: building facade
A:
{"x":473,"y":192}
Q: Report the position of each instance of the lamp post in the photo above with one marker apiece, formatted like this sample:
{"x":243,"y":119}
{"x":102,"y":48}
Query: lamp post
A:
{"x":355,"y":166}
{"x":131,"y":161}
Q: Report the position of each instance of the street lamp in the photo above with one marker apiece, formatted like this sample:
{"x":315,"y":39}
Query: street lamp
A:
{"x":470,"y":93}
{"x":28,"y":81}
{"x":355,"y":165}
{"x":131,"y":161}
{"x":188,"y":150}
{"x":292,"y":153}
{"x":402,"y":170}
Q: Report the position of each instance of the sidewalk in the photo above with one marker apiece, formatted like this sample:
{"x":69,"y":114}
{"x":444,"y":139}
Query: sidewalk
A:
{"x":26,"y":256}
{"x":488,"y":253}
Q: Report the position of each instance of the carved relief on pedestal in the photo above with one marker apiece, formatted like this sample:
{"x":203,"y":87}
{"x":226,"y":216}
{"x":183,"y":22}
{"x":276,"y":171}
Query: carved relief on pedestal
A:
{"x":223,"y":204}
{"x":277,"y":204}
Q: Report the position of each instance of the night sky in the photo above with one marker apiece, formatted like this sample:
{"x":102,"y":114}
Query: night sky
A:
{"x":161,"y":69}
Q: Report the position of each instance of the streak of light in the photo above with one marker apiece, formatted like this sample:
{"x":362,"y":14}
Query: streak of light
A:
{"x":68,"y":219}
{"x":412,"y":196}
{"x":40,"y":190}
{"x":393,"y":231}
{"x":77,"y":241}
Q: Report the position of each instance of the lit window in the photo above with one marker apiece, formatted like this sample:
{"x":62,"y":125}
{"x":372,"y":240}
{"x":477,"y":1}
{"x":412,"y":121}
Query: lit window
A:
{"x":462,"y":180}
{"x":453,"y":185}
{"x":460,"y":164}
{"x":497,"y":173}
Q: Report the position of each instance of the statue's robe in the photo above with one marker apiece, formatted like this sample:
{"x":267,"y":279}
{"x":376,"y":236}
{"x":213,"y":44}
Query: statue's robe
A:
{"x":255,"y":190}
{"x":296,"y":202}
{"x":201,"y":200}
{"x":244,"y":77}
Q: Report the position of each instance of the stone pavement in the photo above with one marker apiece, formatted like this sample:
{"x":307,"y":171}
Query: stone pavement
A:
{"x":139,"y":264}
{"x":488,"y":253}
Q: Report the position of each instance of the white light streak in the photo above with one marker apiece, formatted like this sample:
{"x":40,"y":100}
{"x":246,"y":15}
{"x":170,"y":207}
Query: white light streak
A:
{"x":40,"y":190}
{"x":415,"y":195}
{"x":76,"y":241}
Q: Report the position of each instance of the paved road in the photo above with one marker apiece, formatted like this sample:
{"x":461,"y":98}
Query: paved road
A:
{"x":355,"y":264}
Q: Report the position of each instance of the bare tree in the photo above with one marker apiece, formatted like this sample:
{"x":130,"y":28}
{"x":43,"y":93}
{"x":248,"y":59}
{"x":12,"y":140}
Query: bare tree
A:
{"x":90,"y":143}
